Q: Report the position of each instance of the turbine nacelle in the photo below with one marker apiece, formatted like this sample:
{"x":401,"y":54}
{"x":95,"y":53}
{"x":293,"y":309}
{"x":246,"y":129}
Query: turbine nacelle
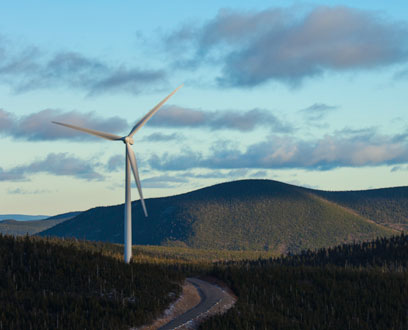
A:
{"x":128,"y":139}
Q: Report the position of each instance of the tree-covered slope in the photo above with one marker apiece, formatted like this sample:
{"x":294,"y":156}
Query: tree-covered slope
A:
{"x":353,"y":286}
{"x":54,"y":284}
{"x":240,"y":215}
{"x":388,"y":206}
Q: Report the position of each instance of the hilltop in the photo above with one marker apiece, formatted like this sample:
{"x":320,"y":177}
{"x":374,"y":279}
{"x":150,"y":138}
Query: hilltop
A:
{"x":247,"y":215}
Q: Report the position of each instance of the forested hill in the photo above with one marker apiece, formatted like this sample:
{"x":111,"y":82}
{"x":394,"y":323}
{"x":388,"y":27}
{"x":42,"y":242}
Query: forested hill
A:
{"x":239,"y":215}
{"x":388,"y":206}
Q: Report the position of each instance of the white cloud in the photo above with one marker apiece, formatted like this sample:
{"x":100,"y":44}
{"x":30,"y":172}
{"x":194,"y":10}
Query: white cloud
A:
{"x":288,"y":45}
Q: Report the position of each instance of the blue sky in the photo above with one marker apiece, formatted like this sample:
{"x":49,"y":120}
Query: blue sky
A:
{"x":301,"y":92}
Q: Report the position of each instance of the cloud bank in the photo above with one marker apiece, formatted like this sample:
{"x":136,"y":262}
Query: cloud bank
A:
{"x":38,"y":127}
{"x":164,"y":181}
{"x":331,"y":151}
{"x":288,"y":45}
{"x":174,"y":116}
{"x":32,"y":69}
{"x":56,"y":164}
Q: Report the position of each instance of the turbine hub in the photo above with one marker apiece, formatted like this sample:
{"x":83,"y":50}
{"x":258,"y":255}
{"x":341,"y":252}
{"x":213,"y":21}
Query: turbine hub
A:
{"x":129,"y":140}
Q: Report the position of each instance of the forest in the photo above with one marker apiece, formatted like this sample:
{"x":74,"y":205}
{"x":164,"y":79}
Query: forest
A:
{"x":49,"y":283}
{"x":351,"y":286}
{"x":55,"y":284}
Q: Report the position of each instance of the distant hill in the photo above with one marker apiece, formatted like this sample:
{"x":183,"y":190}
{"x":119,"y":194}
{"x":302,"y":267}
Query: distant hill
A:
{"x":387,"y":206}
{"x":31,"y":227}
{"x":241,"y":215}
{"x":64,"y":216}
{"x":22,"y":217}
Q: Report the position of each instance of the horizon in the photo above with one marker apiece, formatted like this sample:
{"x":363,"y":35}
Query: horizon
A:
{"x":190,"y":191}
{"x":303,"y":93}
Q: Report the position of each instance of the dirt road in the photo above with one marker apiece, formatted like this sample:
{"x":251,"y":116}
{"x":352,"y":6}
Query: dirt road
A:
{"x":213,"y":300}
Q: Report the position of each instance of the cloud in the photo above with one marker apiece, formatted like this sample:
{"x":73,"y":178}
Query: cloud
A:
{"x":31,"y":69}
{"x":399,"y":168}
{"x":401,"y":74}
{"x":164,"y":181}
{"x":159,"y":137}
{"x":12,"y":175}
{"x":317,"y":111}
{"x":366,"y":132}
{"x":127,"y":80}
{"x":188,"y":159}
{"x":401,"y":137}
{"x":55,"y":164}
{"x":20,"y":191}
{"x":220,"y":174}
{"x":115,"y":163}
{"x":6,"y":121}
{"x":174,"y":116}
{"x":38,"y":127}
{"x":260,"y":174}
{"x":289,"y":45}
{"x":276,"y":152}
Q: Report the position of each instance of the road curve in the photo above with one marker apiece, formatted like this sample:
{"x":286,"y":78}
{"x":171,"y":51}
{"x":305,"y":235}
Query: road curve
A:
{"x":210,"y":295}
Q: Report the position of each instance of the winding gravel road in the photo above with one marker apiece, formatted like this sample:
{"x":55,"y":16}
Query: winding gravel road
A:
{"x":210,"y":295}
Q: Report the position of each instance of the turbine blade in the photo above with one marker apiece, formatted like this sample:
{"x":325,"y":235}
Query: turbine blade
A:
{"x":133,"y":164}
{"x":104,"y":135}
{"x":151,"y":113}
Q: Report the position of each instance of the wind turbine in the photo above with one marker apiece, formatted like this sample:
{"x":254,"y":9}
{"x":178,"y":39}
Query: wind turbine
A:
{"x":131,"y":164}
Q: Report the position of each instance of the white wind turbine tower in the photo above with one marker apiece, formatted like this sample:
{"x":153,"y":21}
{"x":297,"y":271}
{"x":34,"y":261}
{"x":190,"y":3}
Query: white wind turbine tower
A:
{"x":130,"y":164}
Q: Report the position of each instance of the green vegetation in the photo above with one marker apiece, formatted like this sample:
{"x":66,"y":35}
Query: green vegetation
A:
{"x":258,"y":215}
{"x":55,"y":284}
{"x":358,"y":286}
{"x":281,"y":248}
{"x":282,"y":297}
{"x":383,"y":254}
{"x":71,"y":284}
{"x":167,"y":254}
{"x":388,"y":206}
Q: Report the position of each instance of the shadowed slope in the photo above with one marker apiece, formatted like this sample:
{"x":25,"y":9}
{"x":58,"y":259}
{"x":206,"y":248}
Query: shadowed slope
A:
{"x":239,"y":215}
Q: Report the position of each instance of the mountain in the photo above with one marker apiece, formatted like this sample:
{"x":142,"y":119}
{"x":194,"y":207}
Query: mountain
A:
{"x":22,"y":217}
{"x":241,"y":215}
{"x":31,"y":227}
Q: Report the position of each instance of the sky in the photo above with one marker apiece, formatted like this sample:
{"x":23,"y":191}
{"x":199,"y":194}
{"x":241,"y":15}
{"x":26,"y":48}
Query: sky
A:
{"x":307,"y":93}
